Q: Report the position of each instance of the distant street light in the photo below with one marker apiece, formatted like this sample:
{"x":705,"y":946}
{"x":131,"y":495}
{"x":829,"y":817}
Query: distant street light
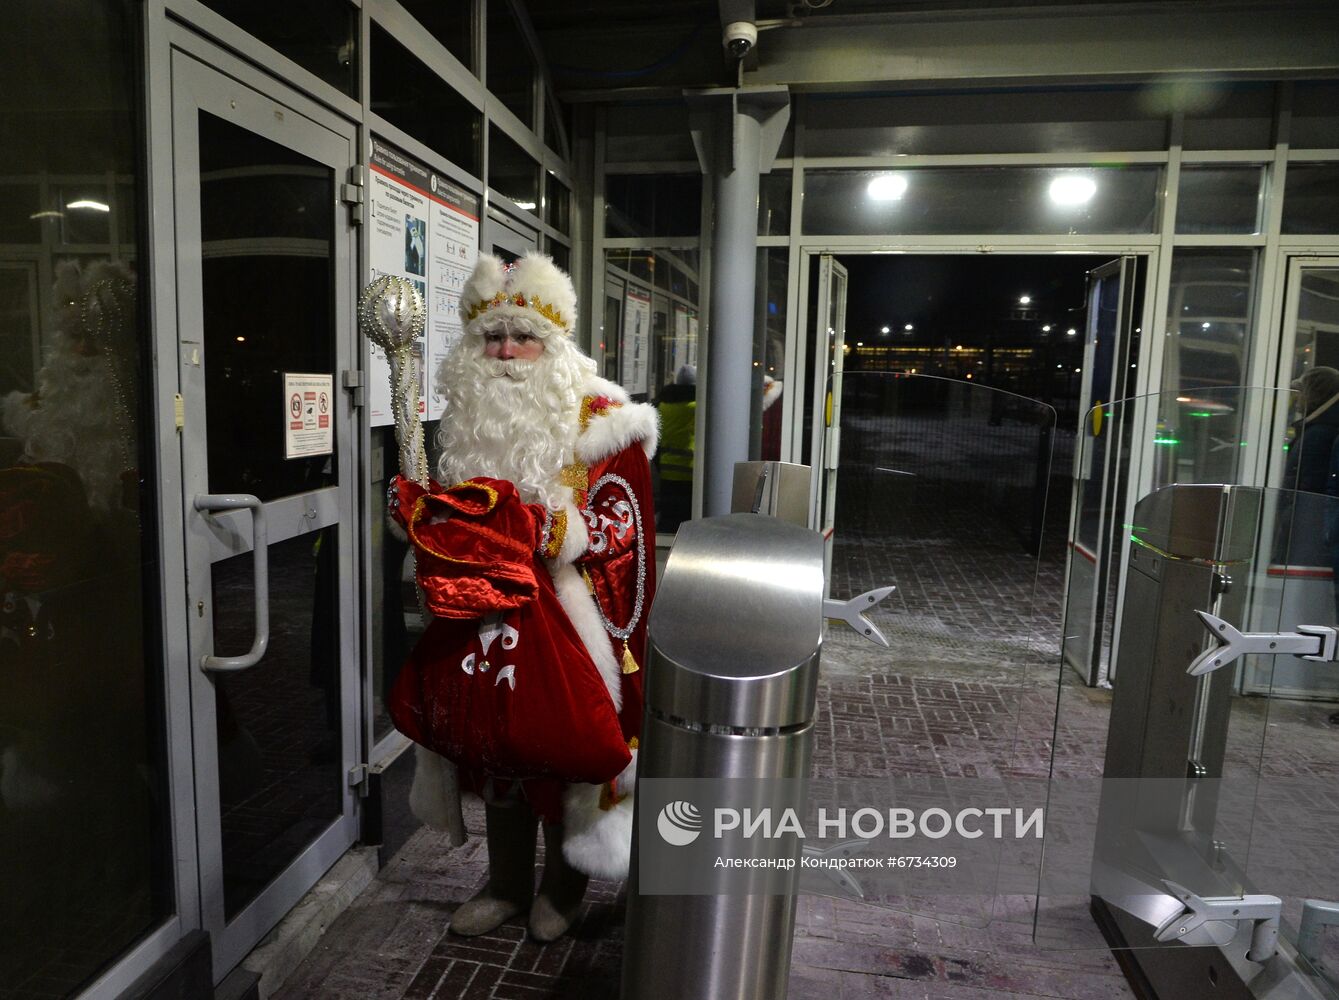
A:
{"x":1025,"y":300}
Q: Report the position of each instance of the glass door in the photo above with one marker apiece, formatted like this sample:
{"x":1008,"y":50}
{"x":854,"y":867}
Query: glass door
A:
{"x":265,"y":287}
{"x":1093,"y":544}
{"x":1310,"y":341}
{"x":830,"y":343}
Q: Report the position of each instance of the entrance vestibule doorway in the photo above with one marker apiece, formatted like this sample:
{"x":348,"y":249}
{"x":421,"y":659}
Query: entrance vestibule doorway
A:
{"x":996,"y":334}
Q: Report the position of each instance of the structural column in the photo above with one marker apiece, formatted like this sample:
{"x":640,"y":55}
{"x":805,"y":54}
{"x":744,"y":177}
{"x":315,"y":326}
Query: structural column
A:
{"x":737,"y":133}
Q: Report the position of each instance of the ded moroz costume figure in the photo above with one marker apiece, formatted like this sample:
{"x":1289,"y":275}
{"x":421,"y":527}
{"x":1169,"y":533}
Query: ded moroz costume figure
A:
{"x":536,"y":561}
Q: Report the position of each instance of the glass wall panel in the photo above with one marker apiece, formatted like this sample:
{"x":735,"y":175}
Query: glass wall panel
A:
{"x":262,"y":218}
{"x":318,"y":35}
{"x":1209,"y":312}
{"x":560,"y":252}
{"x":769,"y":354}
{"x":557,"y":204}
{"x":653,"y":204}
{"x":451,"y":22}
{"x":774,"y":204}
{"x":512,"y":71}
{"x":981,"y":200}
{"x":1018,"y":122}
{"x":1225,"y":115}
{"x":512,"y":171}
{"x":650,"y":344}
{"x":637,"y":132}
{"x":86,"y":866}
{"x":413,"y":98}
{"x":1315,"y":116}
{"x":1311,"y":199}
{"x":1220,"y":199}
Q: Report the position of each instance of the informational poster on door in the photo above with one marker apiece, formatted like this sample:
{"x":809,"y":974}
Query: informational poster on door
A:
{"x":636,"y":347}
{"x":424,"y":228}
{"x":308,"y":408}
{"x":679,"y":347}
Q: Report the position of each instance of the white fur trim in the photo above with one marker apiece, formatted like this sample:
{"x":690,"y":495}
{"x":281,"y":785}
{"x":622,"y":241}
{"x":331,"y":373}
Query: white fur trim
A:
{"x":575,"y":542}
{"x":580,"y":607}
{"x":434,"y":797}
{"x":598,"y":841}
{"x":610,"y":432}
{"x":771,"y":392}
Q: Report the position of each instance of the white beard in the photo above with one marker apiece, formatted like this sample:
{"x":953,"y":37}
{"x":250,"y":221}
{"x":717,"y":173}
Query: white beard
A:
{"x":513,"y":420}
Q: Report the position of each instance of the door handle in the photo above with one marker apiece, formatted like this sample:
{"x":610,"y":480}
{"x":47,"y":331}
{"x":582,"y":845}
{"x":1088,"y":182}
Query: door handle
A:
{"x":260,"y":563}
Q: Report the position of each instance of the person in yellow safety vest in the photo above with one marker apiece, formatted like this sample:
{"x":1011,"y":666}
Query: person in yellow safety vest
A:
{"x":678,"y":423}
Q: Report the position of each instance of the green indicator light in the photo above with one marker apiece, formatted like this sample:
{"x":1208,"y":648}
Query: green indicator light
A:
{"x":1200,"y":413}
{"x":1166,"y":441}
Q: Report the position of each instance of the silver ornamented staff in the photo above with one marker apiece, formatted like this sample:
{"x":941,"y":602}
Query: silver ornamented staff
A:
{"x":392,"y":314}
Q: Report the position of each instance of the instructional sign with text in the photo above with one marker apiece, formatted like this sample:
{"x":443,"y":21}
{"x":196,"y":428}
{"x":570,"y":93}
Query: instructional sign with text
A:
{"x":424,"y":228}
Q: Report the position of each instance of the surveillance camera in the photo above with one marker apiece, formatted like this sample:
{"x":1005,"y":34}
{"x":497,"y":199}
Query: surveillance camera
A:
{"x":740,"y":37}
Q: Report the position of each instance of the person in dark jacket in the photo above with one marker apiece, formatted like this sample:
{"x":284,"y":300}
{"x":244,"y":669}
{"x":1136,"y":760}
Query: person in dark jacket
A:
{"x":1308,"y":468}
{"x":1303,"y":535}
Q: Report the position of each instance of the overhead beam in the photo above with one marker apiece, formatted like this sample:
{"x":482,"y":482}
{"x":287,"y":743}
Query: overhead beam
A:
{"x":1040,"y":45}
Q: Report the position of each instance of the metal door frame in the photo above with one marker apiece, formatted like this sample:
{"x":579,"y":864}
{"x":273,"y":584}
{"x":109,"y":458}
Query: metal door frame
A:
{"x":1103,"y":561}
{"x":202,"y":77}
{"x":826,"y":432}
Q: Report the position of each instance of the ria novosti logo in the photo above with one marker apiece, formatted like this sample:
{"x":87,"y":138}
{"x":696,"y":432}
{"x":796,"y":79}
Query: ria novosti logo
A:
{"x":679,"y":823}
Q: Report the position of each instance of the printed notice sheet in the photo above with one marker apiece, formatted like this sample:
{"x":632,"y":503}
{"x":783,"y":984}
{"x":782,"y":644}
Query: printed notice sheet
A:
{"x":424,"y":228}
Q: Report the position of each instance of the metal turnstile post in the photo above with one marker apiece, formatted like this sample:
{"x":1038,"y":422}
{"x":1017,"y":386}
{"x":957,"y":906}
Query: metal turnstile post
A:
{"x":732,"y":673}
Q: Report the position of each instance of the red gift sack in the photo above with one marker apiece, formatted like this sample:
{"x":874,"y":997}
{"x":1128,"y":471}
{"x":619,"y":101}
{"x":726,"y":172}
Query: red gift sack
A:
{"x":514,"y":693}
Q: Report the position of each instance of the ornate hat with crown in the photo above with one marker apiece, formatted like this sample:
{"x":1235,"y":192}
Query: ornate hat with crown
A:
{"x":532,"y":288}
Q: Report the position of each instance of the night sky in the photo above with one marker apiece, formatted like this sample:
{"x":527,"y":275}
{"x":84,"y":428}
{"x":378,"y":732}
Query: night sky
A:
{"x":962,"y":298}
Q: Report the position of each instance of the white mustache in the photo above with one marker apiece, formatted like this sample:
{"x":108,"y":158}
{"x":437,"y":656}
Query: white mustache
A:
{"x":513,"y":368}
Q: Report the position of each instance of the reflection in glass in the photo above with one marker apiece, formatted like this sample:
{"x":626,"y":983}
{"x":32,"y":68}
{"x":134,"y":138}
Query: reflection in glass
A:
{"x":769,"y":355}
{"x":318,"y":35}
{"x":557,"y":204}
{"x":1316,"y":333}
{"x":994,"y":200}
{"x":1220,"y":199}
{"x":1209,"y":312}
{"x":86,"y":868}
{"x":511,"y":72}
{"x":452,"y":24}
{"x":267,"y":222}
{"x":279,"y":754}
{"x":1311,"y":199}
{"x":512,"y":171}
{"x":416,"y":100}
{"x":653,"y":204}
{"x":774,"y":203}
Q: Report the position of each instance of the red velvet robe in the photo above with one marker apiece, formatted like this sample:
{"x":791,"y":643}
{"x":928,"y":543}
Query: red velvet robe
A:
{"x":473,"y":568}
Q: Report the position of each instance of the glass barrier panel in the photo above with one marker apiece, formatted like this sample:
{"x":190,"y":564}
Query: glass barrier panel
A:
{"x":933,"y":749}
{"x":1196,"y":793}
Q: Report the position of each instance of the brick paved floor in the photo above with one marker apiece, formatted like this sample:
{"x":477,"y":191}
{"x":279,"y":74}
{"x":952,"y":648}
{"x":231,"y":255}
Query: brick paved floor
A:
{"x":969,"y":689}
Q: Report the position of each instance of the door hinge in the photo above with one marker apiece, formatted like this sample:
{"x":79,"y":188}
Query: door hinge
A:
{"x":353,"y":382}
{"x":358,"y":779}
{"x":351,"y":193}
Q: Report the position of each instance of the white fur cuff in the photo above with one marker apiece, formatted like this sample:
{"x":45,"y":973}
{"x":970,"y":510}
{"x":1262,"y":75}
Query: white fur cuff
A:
{"x":597,"y":841}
